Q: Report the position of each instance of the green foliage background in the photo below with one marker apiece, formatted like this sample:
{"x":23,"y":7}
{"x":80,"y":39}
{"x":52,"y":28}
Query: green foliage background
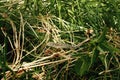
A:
{"x":97,"y":59}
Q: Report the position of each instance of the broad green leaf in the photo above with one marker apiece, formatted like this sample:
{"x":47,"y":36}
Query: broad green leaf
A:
{"x":102,"y":36}
{"x":95,"y":55}
{"x":77,"y":66}
{"x":108,"y":47}
{"x":82,"y":65}
{"x":85,"y":65}
{"x":111,"y":47}
{"x":102,"y":58}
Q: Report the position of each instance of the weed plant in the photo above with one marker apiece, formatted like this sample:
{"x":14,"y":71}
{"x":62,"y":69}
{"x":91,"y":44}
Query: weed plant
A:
{"x":59,"y":39}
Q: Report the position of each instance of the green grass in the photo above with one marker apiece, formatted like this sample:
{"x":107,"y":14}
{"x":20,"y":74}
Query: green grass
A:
{"x":28,"y":26}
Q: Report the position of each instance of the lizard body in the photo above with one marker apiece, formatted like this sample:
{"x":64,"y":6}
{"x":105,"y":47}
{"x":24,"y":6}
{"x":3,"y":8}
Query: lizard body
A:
{"x":66,"y":46}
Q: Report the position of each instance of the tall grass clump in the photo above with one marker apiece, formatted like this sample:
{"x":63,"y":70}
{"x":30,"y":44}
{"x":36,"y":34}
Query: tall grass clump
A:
{"x":59,"y":40}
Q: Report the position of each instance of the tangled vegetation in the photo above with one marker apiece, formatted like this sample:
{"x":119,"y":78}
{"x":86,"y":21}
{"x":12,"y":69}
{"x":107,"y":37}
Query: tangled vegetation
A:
{"x":60,"y":39}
